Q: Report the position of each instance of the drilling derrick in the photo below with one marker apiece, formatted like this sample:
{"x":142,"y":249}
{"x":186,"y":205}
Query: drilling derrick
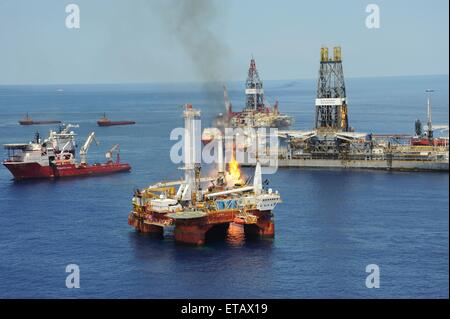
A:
{"x":331,"y":106}
{"x":254,"y":89}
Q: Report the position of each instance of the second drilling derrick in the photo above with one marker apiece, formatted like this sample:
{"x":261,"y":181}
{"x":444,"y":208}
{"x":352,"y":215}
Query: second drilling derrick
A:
{"x":331,"y":104}
{"x":254,"y":92}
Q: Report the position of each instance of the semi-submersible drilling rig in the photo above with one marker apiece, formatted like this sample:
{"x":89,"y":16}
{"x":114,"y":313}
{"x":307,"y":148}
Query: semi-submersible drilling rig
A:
{"x":197,"y":206}
{"x":257,"y":111}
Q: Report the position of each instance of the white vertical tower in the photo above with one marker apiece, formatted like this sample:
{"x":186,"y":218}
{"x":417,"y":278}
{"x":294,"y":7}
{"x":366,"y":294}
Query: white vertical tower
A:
{"x":191,"y":150}
{"x":220,"y":159}
{"x":257,"y":179}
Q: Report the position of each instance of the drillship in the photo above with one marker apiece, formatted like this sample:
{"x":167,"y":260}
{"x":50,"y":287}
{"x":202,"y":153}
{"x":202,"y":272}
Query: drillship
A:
{"x":197,"y":206}
{"x":333,"y":143}
{"x":55,"y":157}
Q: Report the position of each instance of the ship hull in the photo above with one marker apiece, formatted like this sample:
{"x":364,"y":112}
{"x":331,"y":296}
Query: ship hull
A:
{"x":29,"y":170}
{"x":110,"y":123}
{"x":399,"y":165}
{"x":28,"y":122}
{"x":22,"y":171}
{"x":427,"y":142}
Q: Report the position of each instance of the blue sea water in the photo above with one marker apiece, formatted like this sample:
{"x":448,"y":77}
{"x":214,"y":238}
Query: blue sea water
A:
{"x":331,"y":224}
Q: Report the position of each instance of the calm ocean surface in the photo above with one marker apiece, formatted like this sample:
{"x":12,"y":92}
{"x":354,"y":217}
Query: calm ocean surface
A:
{"x":331,"y":224}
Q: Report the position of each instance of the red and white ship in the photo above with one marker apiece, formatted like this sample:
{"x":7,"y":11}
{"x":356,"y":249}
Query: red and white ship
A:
{"x":55,"y":157}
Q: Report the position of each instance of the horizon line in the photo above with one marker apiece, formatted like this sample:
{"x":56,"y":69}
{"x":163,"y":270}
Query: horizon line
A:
{"x":206,"y":82}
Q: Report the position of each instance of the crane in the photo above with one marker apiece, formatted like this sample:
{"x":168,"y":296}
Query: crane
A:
{"x":228,"y":105}
{"x":85,"y":148}
{"x":65,"y":128}
{"x":63,"y":149}
{"x":109,"y":154}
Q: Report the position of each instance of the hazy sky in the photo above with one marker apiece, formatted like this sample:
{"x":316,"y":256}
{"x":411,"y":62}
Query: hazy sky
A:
{"x":122,"y":41}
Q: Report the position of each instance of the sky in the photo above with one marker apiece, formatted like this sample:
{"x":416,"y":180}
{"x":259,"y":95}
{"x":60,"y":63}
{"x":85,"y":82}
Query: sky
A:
{"x":160,"y":41}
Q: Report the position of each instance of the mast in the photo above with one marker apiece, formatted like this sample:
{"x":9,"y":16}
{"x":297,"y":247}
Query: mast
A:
{"x":429,"y":114}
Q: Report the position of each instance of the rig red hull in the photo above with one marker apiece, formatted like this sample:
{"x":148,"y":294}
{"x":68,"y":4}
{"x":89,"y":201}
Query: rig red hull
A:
{"x":34,"y":170}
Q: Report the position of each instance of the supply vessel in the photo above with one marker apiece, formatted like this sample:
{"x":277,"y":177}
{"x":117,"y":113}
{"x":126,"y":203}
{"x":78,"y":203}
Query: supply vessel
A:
{"x":104,"y":121}
{"x":27,"y":120}
{"x":55,"y":157}
{"x":198,"y":206}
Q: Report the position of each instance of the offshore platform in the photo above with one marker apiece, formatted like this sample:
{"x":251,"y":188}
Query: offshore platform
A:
{"x":257,"y":111}
{"x":333,"y":143}
{"x":195,"y":207}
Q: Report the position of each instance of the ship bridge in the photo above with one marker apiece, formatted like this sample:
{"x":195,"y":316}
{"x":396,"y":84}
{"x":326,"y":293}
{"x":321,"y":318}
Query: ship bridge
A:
{"x":19,"y":146}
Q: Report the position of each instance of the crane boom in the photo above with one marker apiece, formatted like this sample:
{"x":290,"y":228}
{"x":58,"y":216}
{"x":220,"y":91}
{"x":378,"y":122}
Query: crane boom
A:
{"x":66,"y":128}
{"x":85,"y":148}
{"x":61,"y":153}
{"x":228,"y":106}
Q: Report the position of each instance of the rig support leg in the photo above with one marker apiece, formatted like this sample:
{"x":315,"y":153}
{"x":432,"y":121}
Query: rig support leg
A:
{"x":262,"y":229}
{"x":191,"y":234}
{"x":142,"y":227}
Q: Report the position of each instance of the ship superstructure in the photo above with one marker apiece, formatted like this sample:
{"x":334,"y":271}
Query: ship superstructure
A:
{"x":196,"y":205}
{"x":55,"y":157}
{"x":425,"y":135}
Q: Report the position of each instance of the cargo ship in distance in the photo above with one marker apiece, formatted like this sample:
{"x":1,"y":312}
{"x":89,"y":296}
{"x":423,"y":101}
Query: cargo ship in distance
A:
{"x":27,"y":120}
{"x":55,"y":157}
{"x":104,"y":121}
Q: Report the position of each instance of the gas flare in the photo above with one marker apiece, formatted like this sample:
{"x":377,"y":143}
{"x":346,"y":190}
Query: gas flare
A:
{"x":234,"y":170}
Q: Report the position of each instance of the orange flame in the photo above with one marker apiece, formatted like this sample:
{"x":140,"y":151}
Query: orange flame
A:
{"x":234,"y":169}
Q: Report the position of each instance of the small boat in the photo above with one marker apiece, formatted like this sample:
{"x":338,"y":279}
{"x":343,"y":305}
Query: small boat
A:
{"x":104,"y":121}
{"x":27,"y":120}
